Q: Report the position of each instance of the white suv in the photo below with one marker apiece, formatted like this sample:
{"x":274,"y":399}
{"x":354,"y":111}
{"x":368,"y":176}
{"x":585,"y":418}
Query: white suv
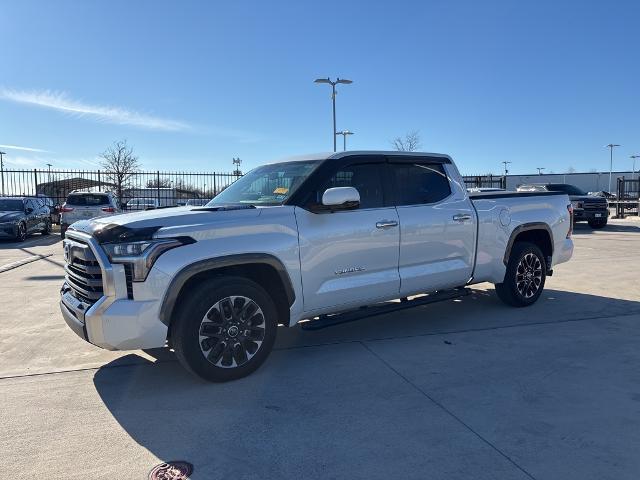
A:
{"x":85,"y":205}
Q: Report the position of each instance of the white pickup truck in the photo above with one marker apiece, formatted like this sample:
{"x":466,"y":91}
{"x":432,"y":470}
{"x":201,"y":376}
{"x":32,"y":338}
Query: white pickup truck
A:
{"x":310,"y":238}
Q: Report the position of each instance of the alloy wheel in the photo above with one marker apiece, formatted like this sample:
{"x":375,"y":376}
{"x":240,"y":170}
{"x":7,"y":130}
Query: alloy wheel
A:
{"x":232,"y":332}
{"x":529,"y":275}
{"x":22,"y":232}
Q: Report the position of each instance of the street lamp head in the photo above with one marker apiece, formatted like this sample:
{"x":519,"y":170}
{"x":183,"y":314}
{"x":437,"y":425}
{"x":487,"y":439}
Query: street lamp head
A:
{"x":611,"y":145}
{"x":3,"y":153}
{"x":322,"y":80}
{"x":344,"y":80}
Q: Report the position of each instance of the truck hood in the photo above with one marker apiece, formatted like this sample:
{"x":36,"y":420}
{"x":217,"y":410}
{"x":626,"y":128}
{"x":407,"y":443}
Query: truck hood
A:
{"x":588,"y":198}
{"x":109,"y":228}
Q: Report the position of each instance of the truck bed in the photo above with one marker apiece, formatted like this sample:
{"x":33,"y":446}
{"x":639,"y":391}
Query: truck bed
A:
{"x":510,"y":194}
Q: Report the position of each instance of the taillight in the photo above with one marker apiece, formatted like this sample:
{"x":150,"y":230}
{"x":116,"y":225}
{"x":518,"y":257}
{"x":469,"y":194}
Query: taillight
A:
{"x":109,"y":210}
{"x":570,"y":208}
{"x":65,"y":209}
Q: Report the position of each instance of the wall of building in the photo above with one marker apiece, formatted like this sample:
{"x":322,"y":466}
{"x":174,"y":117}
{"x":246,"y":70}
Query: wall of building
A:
{"x":589,"y":182}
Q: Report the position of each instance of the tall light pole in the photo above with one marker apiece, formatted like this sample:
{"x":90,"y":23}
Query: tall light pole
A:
{"x":506,"y":170}
{"x":611,"y":146}
{"x":344,"y":134}
{"x":540,"y":170}
{"x":2,"y":171}
{"x":333,"y":99}
{"x":49,"y":173}
{"x":633,"y":171}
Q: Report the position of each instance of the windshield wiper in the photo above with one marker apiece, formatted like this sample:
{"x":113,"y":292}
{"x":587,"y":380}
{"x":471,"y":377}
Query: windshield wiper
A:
{"x":223,"y":208}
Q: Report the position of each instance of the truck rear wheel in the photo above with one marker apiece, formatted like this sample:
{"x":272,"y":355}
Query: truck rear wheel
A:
{"x":224,"y":329}
{"x":525,"y":276}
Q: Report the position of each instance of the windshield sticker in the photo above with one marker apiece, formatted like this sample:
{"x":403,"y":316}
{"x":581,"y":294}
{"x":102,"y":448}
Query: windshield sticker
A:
{"x":281,"y":191}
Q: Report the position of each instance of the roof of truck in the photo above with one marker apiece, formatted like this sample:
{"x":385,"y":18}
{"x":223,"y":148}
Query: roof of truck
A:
{"x":349,"y":153}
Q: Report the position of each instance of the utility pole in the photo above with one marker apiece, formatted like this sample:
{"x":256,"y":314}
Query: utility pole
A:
{"x":611,"y":146}
{"x":2,"y":171}
{"x":540,"y":170}
{"x":506,"y":170}
{"x":237,"y":162}
{"x":633,"y":171}
{"x":333,"y":99}
{"x":344,"y":134}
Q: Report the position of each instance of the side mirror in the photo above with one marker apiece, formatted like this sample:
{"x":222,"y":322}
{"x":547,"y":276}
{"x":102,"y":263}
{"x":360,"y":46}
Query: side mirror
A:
{"x":341,"y":198}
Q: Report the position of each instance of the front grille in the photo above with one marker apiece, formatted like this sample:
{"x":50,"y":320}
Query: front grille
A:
{"x":83,"y":273}
{"x":594,"y":205}
{"x":128,"y":274}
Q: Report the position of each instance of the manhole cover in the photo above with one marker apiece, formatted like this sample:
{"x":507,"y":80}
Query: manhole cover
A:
{"x":177,"y":470}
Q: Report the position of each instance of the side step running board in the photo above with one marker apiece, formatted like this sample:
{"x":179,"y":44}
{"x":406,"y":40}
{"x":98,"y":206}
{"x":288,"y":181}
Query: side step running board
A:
{"x":324,"y":321}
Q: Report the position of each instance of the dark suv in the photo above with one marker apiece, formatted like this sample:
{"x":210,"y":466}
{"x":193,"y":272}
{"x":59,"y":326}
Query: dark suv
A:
{"x":586,"y":208}
{"x":21,"y":216}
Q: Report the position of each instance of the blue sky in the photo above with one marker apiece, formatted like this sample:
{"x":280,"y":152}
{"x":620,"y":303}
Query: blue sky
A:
{"x":192,"y":84}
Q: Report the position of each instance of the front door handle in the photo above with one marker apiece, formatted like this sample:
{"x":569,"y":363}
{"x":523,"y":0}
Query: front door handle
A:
{"x":386,"y":224}
{"x":461,"y":217}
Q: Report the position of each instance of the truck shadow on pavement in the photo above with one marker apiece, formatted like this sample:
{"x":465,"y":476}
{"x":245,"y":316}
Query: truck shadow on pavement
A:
{"x":314,"y":409}
{"x":584,"y":229}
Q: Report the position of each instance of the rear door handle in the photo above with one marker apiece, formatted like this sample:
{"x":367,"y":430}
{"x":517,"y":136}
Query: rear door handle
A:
{"x":461,"y":217}
{"x":386,"y":224}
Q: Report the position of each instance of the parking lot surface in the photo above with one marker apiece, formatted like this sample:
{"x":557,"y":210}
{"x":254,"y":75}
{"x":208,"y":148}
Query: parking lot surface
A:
{"x":464,"y":389}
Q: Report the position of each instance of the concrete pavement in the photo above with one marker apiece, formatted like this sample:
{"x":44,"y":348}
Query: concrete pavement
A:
{"x":468,"y":388}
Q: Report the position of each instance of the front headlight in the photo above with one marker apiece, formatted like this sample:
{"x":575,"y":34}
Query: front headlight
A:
{"x":141,"y":255}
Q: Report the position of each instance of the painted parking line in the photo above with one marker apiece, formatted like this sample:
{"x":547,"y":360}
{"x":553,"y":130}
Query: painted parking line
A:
{"x":24,"y":261}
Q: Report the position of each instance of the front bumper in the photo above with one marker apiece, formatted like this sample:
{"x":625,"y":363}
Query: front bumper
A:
{"x":114,"y":322}
{"x":8,"y":230}
{"x":585,"y":215}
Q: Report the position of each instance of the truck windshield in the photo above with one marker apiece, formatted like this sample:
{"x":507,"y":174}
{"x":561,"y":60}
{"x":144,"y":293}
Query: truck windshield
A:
{"x":266,"y":185}
{"x":568,"y":189}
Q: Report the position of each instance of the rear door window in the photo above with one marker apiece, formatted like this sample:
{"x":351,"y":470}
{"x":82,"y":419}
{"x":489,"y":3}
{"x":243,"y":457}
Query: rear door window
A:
{"x":88,"y":200}
{"x":419,"y":183}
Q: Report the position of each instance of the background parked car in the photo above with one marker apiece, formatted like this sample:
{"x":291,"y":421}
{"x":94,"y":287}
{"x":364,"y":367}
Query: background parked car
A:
{"x":142,"y":204}
{"x":21,"y":216}
{"x":53,"y":208}
{"x":590,"y":208}
{"x":85,"y":205}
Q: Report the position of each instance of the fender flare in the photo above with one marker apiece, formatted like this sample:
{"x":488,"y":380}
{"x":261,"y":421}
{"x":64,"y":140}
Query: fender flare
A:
{"x":523,"y":228}
{"x":183,"y":276}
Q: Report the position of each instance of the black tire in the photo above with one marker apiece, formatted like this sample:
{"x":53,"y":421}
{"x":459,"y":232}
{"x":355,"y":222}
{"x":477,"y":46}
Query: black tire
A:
{"x":600,"y":223}
{"x":21,"y":234}
{"x":213,"y":357}
{"x":525,"y":276}
{"x":47,"y":228}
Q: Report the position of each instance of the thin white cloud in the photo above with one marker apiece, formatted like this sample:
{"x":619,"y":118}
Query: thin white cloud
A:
{"x":118,"y":115}
{"x":24,"y":149}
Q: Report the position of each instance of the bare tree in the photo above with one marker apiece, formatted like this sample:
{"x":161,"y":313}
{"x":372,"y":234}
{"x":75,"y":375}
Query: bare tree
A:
{"x":159,"y":182}
{"x":410,"y":142}
{"x":571,"y":170}
{"x":120,"y":164}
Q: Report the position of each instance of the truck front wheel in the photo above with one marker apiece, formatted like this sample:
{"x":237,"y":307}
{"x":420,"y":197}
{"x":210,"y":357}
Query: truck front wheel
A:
{"x":224,"y":328}
{"x":525,"y":276}
{"x":598,"y":223}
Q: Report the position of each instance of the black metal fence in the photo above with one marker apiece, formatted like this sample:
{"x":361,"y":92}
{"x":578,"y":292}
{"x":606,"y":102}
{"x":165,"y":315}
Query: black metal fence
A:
{"x":485,"y":181}
{"x":627,"y":201}
{"x":167,"y":188}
